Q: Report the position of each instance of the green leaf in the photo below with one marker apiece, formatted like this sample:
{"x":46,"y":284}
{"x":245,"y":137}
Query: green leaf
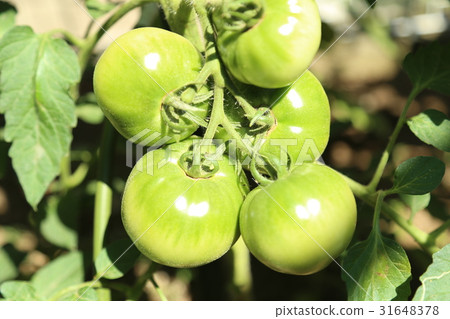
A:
{"x":19,"y":291}
{"x":57,"y":220}
{"x":97,"y":8}
{"x":418,"y":175}
{"x":9,"y":270}
{"x":416,"y":202}
{"x":381,"y":268}
{"x":10,"y":259}
{"x":63,"y":272}
{"x":7,"y":17}
{"x":90,"y":113}
{"x":436,"y":280}
{"x":36,"y":74}
{"x":429,"y":67}
{"x":432,"y":127}
{"x":103,"y":294}
{"x":83,"y":294}
{"x":116,"y":259}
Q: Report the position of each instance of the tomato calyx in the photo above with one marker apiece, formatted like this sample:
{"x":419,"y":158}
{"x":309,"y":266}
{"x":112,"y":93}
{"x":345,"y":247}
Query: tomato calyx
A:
{"x":184,"y":109}
{"x":239,"y":15}
{"x":262,"y":121}
{"x":197,"y":165}
{"x":266,"y":168}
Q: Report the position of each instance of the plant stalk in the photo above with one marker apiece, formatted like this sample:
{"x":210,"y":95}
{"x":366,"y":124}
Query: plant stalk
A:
{"x":421,"y":237}
{"x":103,"y":193}
{"x":392,"y":140}
{"x":88,"y":47}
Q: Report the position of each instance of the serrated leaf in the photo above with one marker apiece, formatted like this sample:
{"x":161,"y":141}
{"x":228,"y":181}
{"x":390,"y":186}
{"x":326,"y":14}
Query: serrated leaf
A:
{"x":418,"y":175}
{"x":97,"y":8}
{"x":83,"y":294}
{"x":19,"y":291}
{"x":36,"y":74}
{"x":63,"y":272}
{"x":381,"y":268}
{"x":57,"y":221}
{"x":416,"y":202}
{"x":116,"y":259}
{"x":7,"y":17}
{"x":432,"y":127}
{"x":429,"y":67}
{"x":436,"y":280}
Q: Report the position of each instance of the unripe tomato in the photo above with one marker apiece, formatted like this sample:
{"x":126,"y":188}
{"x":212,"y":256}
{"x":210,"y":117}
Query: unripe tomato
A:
{"x":302,"y":120}
{"x":137,"y":72}
{"x":278,"y":49}
{"x":299,"y":222}
{"x":177,"y":220}
{"x":302,"y":127}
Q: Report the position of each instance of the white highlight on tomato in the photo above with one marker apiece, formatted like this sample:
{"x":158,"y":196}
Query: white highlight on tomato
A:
{"x":151,"y":61}
{"x":288,"y":28}
{"x":198,"y":210}
{"x":294,"y":7}
{"x":295,"y":99}
{"x":312,"y":209}
{"x":181,"y":203}
{"x":194,"y":210}
{"x":313,"y":206}
{"x":301,"y":212}
{"x":296,"y":129}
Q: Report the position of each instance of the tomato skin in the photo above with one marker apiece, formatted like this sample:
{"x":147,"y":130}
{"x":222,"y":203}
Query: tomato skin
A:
{"x":277,"y":50}
{"x":184,"y":222}
{"x":135,"y":74}
{"x":318,"y":208}
{"x":302,"y":115}
{"x":302,"y":121}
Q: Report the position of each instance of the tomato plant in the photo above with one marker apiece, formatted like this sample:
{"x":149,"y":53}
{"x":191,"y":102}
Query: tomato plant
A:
{"x":240,"y":175}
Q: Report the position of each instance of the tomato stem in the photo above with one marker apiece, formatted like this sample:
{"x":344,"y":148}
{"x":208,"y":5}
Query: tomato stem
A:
{"x":377,"y":212}
{"x":88,"y":46}
{"x":217,"y":113}
{"x":426,"y":241}
{"x":249,"y":110}
{"x":392,"y":140}
{"x":65,"y":173}
{"x":70,"y":37}
{"x":135,"y":292}
{"x":438,"y":231}
{"x":74,"y":288}
{"x":242,"y":274}
{"x":103,"y":192}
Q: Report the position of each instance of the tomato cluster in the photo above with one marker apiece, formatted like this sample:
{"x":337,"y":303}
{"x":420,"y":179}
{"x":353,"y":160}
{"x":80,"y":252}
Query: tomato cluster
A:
{"x":186,"y":204}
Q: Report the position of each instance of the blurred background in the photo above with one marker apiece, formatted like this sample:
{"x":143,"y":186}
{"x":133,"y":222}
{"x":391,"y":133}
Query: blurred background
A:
{"x":361,"y":72}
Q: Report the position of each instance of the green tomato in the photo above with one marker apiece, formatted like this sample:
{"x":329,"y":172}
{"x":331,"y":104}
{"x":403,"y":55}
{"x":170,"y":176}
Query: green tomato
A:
{"x":302,"y":127}
{"x":137,"y":72}
{"x":177,"y":220}
{"x":278,"y":49}
{"x":299,"y":222}
{"x":302,"y":120}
